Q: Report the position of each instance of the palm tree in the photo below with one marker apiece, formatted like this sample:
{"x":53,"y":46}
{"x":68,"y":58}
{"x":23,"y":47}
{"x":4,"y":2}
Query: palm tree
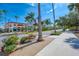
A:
{"x":16,"y":17}
{"x":39,"y":24}
{"x":54,"y":17}
{"x":1,"y":17}
{"x":8,"y":25}
{"x":30,"y":18}
{"x":5,"y":12}
{"x":1,"y":13}
{"x":47,"y":21}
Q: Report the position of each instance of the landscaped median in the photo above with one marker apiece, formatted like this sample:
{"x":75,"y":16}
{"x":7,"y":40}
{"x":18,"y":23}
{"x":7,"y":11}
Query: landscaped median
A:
{"x":33,"y":49}
{"x":26,"y":47}
{"x":11,"y":43}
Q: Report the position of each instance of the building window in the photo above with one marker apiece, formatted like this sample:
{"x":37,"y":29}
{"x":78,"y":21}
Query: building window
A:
{"x":14,"y":24}
{"x":10,"y":25}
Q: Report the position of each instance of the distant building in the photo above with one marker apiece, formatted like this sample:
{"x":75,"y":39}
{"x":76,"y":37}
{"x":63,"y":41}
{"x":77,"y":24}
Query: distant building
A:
{"x":14,"y":25}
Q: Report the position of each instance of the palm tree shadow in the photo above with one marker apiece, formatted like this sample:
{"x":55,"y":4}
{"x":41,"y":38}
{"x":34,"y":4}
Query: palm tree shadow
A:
{"x":74,"y":42}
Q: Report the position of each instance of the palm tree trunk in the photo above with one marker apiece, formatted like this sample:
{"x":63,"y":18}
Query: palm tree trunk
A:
{"x":5,"y":23}
{"x":16,"y":25}
{"x":39,"y":24}
{"x":54,"y":17}
{"x":8,"y":25}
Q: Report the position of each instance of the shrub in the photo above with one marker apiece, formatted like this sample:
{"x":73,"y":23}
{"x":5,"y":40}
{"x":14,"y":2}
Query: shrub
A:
{"x":11,"y":40}
{"x":10,"y":44}
{"x":9,"y":49}
{"x":31,"y":36}
{"x":23,"y":40}
{"x":27,"y":38}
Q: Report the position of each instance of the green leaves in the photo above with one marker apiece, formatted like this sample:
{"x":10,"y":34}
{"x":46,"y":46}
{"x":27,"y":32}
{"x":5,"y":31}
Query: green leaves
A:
{"x":47,"y":21}
{"x":69,"y":20}
{"x":9,"y":49}
{"x":30,"y":17}
{"x":1,"y":12}
{"x":71,"y":6}
{"x":11,"y":40}
{"x":16,"y":17}
{"x":10,"y":44}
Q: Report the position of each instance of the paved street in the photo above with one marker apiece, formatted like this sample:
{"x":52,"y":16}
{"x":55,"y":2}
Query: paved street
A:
{"x":59,"y":47}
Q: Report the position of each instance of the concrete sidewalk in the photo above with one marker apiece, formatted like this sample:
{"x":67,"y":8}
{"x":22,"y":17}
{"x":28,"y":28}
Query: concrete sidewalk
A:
{"x":59,"y":47}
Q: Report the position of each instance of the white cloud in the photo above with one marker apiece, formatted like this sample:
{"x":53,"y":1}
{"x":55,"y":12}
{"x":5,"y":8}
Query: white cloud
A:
{"x":49,"y":11}
{"x":55,"y":7}
{"x":32,"y":4}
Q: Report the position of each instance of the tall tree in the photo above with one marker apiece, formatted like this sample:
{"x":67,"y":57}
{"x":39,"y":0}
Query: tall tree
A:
{"x":63,"y":21}
{"x":16,"y":17}
{"x":3,"y":14}
{"x":5,"y":19}
{"x":67,"y":21}
{"x":54,"y":17}
{"x":39,"y":24}
{"x":75,"y":7}
{"x":47,"y":21}
{"x":30,"y":18}
{"x":1,"y":17}
{"x":8,"y":25}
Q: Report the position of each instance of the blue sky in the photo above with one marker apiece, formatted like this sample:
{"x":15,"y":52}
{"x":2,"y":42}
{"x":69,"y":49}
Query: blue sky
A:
{"x":22,"y":9}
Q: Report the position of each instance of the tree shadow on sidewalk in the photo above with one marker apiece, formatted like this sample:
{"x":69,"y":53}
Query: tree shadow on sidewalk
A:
{"x":74,"y":42}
